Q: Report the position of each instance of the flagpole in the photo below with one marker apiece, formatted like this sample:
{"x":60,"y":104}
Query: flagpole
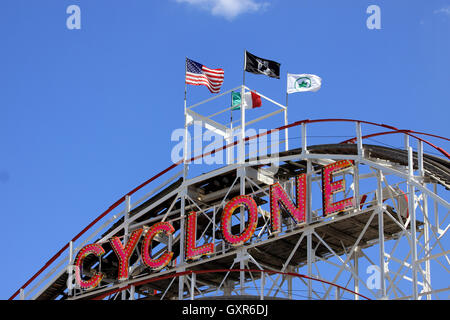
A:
{"x":241,"y":144}
{"x":241,"y":171}
{"x":182,"y":196}
{"x":245,"y":63}
{"x":230,"y":136}
{"x":185,"y":124}
{"x":286,"y":121}
{"x":231,"y":111}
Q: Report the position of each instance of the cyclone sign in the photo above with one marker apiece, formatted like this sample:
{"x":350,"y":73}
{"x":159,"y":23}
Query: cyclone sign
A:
{"x":278,"y":197}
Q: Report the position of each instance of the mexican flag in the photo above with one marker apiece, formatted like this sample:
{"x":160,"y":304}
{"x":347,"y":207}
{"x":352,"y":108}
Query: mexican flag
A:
{"x":251,"y":100}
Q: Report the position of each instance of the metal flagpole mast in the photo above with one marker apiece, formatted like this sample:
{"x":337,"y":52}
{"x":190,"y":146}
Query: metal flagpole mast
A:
{"x":183,"y":192}
{"x":286,"y":122}
{"x":241,"y":144}
{"x":241,"y":173}
{"x":230,"y":135}
{"x":231,"y":111}
{"x":185,"y":124}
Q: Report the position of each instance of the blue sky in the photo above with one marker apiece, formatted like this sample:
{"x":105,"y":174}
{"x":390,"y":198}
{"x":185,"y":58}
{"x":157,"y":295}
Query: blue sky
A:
{"x":87,"y":115}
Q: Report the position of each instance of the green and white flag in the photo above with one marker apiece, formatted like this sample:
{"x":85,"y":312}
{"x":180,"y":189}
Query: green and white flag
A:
{"x":303,"y":82}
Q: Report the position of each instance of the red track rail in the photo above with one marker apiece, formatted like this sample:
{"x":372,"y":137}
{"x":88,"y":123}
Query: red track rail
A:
{"x":409,"y":132}
{"x":294,"y":124}
{"x":189,"y":272}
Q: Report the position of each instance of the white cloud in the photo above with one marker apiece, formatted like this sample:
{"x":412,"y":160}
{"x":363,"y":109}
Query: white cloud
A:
{"x":228,"y":8}
{"x":444,"y":10}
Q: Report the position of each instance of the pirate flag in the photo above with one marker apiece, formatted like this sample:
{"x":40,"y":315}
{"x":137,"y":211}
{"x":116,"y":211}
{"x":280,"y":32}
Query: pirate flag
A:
{"x":258,"y":65}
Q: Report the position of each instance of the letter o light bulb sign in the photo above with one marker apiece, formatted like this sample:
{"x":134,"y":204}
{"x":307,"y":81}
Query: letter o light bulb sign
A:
{"x":278,"y":198}
{"x":227,"y":215}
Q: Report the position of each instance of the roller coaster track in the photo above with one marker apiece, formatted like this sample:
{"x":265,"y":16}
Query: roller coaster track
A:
{"x":437,"y":170}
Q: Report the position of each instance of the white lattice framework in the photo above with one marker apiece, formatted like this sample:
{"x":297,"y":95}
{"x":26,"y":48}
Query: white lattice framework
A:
{"x":389,"y":266}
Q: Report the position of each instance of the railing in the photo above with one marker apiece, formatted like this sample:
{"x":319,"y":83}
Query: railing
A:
{"x":258,"y":271}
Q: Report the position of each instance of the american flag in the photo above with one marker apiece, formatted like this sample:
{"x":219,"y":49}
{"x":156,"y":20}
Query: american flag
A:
{"x":197,"y":74}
